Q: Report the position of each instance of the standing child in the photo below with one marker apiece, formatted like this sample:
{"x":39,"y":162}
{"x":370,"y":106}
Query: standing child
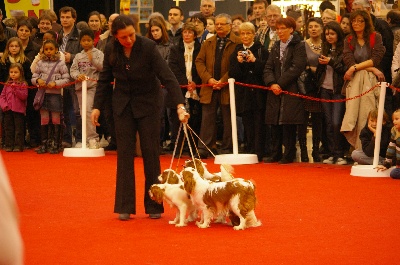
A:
{"x":87,"y":64}
{"x":14,"y":53}
{"x":50,"y":74}
{"x":13,"y":103}
{"x":393,"y":150}
{"x":367,"y":137}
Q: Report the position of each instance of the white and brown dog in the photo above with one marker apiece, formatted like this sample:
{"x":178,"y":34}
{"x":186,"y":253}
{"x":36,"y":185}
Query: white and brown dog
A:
{"x":201,"y":168}
{"x":169,"y":176}
{"x":176,"y":197}
{"x":214,"y":198}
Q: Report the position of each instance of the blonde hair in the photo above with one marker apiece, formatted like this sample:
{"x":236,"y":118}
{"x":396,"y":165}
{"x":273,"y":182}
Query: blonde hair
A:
{"x":21,"y":55}
{"x":373,"y":114}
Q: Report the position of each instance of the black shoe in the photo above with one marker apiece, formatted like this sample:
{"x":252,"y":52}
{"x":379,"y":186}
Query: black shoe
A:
{"x":285,"y":161}
{"x":124,"y":216}
{"x":110,"y":147}
{"x":155,"y":216}
{"x":270,"y":159}
{"x":8,"y":149}
{"x":18,"y":149}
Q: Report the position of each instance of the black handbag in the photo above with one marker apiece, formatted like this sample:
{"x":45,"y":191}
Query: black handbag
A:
{"x":307,"y":82}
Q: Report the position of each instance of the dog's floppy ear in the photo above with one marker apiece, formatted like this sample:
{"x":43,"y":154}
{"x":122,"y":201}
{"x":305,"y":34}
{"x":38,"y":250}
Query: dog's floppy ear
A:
{"x":188,"y":181}
{"x":156,"y":194}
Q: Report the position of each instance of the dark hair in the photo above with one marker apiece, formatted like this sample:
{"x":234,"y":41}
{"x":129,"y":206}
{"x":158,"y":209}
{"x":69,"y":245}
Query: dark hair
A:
{"x":45,"y":17}
{"x":189,"y":26}
{"x":52,"y":42}
{"x":94,"y":13}
{"x":261,"y":2}
{"x":33,"y":21}
{"x":394,"y":16}
{"x":250,"y":11}
{"x":21,"y":71}
{"x":121,"y":22}
{"x":345,"y":15}
{"x":315,"y":19}
{"x":25,"y":23}
{"x":239,"y":17}
{"x":156,"y":22}
{"x":53,"y":33}
{"x":86,"y":32}
{"x":67,"y":9}
{"x":333,"y":25}
{"x":369,"y":27}
{"x":293,"y":13}
{"x":326,"y":5}
{"x":177,"y":7}
{"x":289,"y":22}
{"x":199,"y":16}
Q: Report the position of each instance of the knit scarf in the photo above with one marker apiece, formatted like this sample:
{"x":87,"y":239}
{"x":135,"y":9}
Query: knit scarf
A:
{"x":189,"y":47}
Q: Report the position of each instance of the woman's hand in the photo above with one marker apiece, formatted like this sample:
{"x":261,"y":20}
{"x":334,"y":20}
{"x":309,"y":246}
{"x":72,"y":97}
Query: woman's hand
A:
{"x":379,"y":75}
{"x":250,"y":58}
{"x":182,"y":114}
{"x":51,"y":85}
{"x":349,"y":74}
{"x":81,"y":77}
{"x":323,"y":59}
{"x":94,"y":117}
{"x":276,"y":89}
{"x":191,"y":86}
{"x":240,"y":57}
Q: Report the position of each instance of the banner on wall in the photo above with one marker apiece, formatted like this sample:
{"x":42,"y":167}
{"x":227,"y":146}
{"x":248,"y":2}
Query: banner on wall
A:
{"x":30,"y":8}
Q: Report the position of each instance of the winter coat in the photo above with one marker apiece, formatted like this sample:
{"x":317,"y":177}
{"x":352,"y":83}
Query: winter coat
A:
{"x":368,"y":140}
{"x":31,"y":50}
{"x":60,"y":75}
{"x":73,"y":44}
{"x":82,"y":65}
{"x":205,"y":66}
{"x":14,"y":97}
{"x":283,"y":108}
{"x":247,"y":98}
{"x":164,"y":49}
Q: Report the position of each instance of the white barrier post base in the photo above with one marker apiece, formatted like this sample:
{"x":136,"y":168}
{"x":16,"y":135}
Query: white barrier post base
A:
{"x":369,"y":171}
{"x":236,"y":159}
{"x":83,"y":152}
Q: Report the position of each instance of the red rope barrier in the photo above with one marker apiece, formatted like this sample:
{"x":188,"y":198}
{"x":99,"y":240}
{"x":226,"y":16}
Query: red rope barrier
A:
{"x":251,"y":86}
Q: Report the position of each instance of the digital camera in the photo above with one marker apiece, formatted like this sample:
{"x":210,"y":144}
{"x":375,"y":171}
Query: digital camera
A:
{"x":244,"y":54}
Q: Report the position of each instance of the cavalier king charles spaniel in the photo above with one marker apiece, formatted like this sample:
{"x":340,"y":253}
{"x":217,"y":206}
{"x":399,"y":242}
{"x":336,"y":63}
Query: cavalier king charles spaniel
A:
{"x":176,"y":197}
{"x":200,"y":166}
{"x":215,"y":198}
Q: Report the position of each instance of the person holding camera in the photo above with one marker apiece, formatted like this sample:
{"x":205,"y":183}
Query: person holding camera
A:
{"x":246,"y":66}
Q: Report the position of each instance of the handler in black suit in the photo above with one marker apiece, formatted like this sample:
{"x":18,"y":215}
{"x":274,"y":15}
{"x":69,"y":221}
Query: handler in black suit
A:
{"x":137,"y":68}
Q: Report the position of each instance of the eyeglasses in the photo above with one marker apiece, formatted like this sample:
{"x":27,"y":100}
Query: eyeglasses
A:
{"x":221,"y":24}
{"x":359,"y":21}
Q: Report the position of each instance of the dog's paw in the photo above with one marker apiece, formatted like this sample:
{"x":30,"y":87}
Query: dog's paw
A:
{"x":180,"y":225}
{"x":238,"y":227}
{"x":172,"y":222}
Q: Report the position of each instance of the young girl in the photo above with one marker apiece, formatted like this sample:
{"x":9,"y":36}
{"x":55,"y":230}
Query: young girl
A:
{"x":13,"y":104}
{"x":14,"y":53}
{"x":330,"y":73}
{"x":393,"y":150}
{"x":50,"y":74}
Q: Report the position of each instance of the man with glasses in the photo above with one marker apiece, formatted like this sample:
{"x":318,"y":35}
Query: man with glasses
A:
{"x":383,"y":28}
{"x":207,"y":8}
{"x":268,"y":36}
{"x":212,"y":65}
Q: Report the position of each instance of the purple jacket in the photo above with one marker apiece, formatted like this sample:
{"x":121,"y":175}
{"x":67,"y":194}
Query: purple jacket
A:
{"x":14,"y":97}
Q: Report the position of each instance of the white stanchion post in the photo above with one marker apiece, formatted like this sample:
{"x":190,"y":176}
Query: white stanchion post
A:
{"x":232,"y":99}
{"x":83,"y":151}
{"x":370,"y":170}
{"x":235,"y":158}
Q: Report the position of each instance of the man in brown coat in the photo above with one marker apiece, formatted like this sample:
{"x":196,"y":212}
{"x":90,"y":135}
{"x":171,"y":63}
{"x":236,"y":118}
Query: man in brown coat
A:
{"x":212,"y":65}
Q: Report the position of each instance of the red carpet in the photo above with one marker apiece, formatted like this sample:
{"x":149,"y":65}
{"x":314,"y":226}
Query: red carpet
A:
{"x":311,"y":214}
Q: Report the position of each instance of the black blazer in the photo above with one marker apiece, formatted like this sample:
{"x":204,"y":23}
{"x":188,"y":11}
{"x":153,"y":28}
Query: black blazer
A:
{"x":139,"y":87}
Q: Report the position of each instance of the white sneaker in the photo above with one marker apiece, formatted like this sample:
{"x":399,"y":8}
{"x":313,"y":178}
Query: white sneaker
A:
{"x":341,"y":161}
{"x":78,"y":145}
{"x":94,"y":144}
{"x":328,"y":160}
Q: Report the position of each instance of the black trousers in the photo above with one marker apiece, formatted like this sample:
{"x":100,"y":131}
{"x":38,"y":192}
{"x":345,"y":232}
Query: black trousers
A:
{"x":283,"y":135}
{"x":126,"y":127}
{"x":14,"y":129}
